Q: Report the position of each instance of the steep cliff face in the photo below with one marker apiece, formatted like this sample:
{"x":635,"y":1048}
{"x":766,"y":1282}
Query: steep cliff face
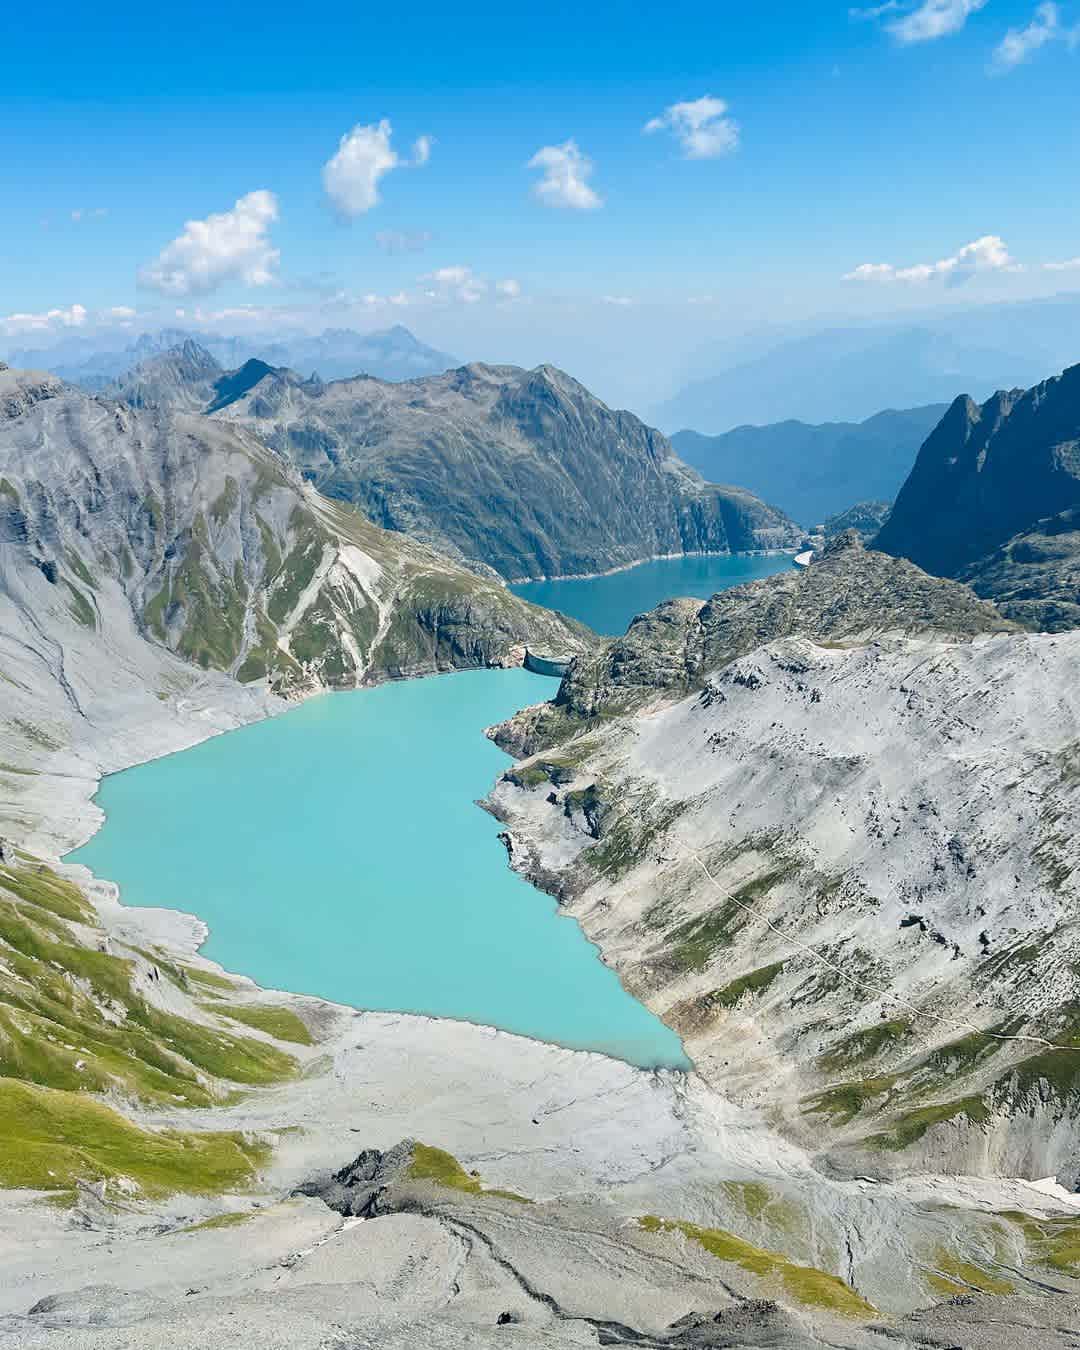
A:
{"x":986,"y":474}
{"x":832,"y":850}
{"x":523,"y":472}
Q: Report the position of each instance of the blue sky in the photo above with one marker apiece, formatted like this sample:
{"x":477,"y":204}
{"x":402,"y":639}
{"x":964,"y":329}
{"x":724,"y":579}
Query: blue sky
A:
{"x":890,"y":139}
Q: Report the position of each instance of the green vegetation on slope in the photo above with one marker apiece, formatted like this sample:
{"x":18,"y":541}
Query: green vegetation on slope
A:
{"x":281,"y":1023}
{"x":433,"y":1164}
{"x":805,"y":1284}
{"x":49,"y":1140}
{"x":71,"y":1017}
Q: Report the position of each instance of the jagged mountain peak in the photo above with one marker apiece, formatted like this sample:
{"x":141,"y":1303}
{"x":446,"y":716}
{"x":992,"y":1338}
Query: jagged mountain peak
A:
{"x":988,"y":472}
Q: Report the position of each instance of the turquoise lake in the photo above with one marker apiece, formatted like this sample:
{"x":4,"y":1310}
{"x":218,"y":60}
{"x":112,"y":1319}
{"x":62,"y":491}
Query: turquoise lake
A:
{"x":337,"y":850}
{"x":607,"y":604}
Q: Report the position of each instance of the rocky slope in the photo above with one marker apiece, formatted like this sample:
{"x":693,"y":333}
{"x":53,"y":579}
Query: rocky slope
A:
{"x":987,"y":477}
{"x":815,"y":471}
{"x":831,"y":851}
{"x":516,"y":470}
{"x":848,"y":596}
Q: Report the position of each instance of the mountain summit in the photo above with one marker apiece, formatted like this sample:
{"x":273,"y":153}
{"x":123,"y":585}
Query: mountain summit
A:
{"x":523,"y":471}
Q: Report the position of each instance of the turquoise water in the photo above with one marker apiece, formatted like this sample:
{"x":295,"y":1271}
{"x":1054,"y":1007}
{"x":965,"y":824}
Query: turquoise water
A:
{"x":607,"y":604}
{"x":337,"y":850}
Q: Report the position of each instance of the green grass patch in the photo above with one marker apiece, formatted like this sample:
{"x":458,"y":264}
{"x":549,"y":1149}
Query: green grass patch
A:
{"x":909,"y":1128}
{"x":1053,"y":1243}
{"x":210,"y":979}
{"x":50,"y":1140}
{"x":950,"y":1272}
{"x":281,"y":1023}
{"x":805,"y":1284}
{"x":847,"y":1100}
{"x":756,"y":982}
{"x":233,"y":1219}
{"x":434,"y":1164}
{"x":42,"y":887}
{"x":865,"y":1044}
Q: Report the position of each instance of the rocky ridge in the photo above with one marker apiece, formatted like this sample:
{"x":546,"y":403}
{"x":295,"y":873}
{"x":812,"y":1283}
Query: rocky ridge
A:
{"x":509,"y":469}
{"x":830,"y":853}
{"x":848,"y":597}
{"x":991,"y":500}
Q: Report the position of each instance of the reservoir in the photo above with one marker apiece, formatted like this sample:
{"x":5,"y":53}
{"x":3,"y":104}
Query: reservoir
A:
{"x":337,"y":850}
{"x":608,"y":603}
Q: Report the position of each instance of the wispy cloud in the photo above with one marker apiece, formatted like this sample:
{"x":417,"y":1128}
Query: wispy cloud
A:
{"x":622,"y":300}
{"x":74,"y":316}
{"x":565,"y":174}
{"x":987,"y":254}
{"x":934,"y":19}
{"x":457,"y":283}
{"x":877,"y":11}
{"x":1019,"y":44}
{"x":231,"y":246}
{"x":1069,"y":265}
{"x":701,"y":126}
{"x":82,"y":213}
{"x":403,"y":241}
{"x":364,"y":156}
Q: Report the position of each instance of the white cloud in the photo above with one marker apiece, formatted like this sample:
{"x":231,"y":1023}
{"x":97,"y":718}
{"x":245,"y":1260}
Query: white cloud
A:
{"x":1069,"y":265}
{"x":74,"y":316}
{"x":987,"y":254}
{"x":403,"y":241}
{"x":119,"y":313}
{"x":1019,"y":44}
{"x":364,"y":156}
{"x":701,"y":127}
{"x":934,"y":19}
{"x":81,"y":213}
{"x":616,"y":300}
{"x":508,"y":289}
{"x":876,"y":11}
{"x":231,"y":246}
{"x":455,"y":283}
{"x":566,"y":171}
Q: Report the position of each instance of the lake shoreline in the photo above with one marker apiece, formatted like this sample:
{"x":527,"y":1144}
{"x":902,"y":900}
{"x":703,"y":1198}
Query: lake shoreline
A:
{"x":656,"y":557}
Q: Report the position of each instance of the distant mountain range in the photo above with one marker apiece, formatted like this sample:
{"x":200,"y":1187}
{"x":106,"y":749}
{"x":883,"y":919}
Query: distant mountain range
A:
{"x":390,"y":354}
{"x":994,"y":499}
{"x":813,"y":472}
{"x":522,"y":472}
{"x":849,"y":373}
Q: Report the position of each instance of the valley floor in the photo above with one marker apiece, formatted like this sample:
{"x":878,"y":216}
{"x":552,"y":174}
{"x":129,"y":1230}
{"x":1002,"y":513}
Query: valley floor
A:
{"x":599,"y":1204}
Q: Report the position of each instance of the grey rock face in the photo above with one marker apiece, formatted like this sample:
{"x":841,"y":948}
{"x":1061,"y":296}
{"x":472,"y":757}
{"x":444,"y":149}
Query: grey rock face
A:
{"x":865,"y":518}
{"x":988,"y":473}
{"x":1035,"y":576}
{"x":850,"y":594}
{"x":524,"y":472}
{"x":354,"y":1190}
